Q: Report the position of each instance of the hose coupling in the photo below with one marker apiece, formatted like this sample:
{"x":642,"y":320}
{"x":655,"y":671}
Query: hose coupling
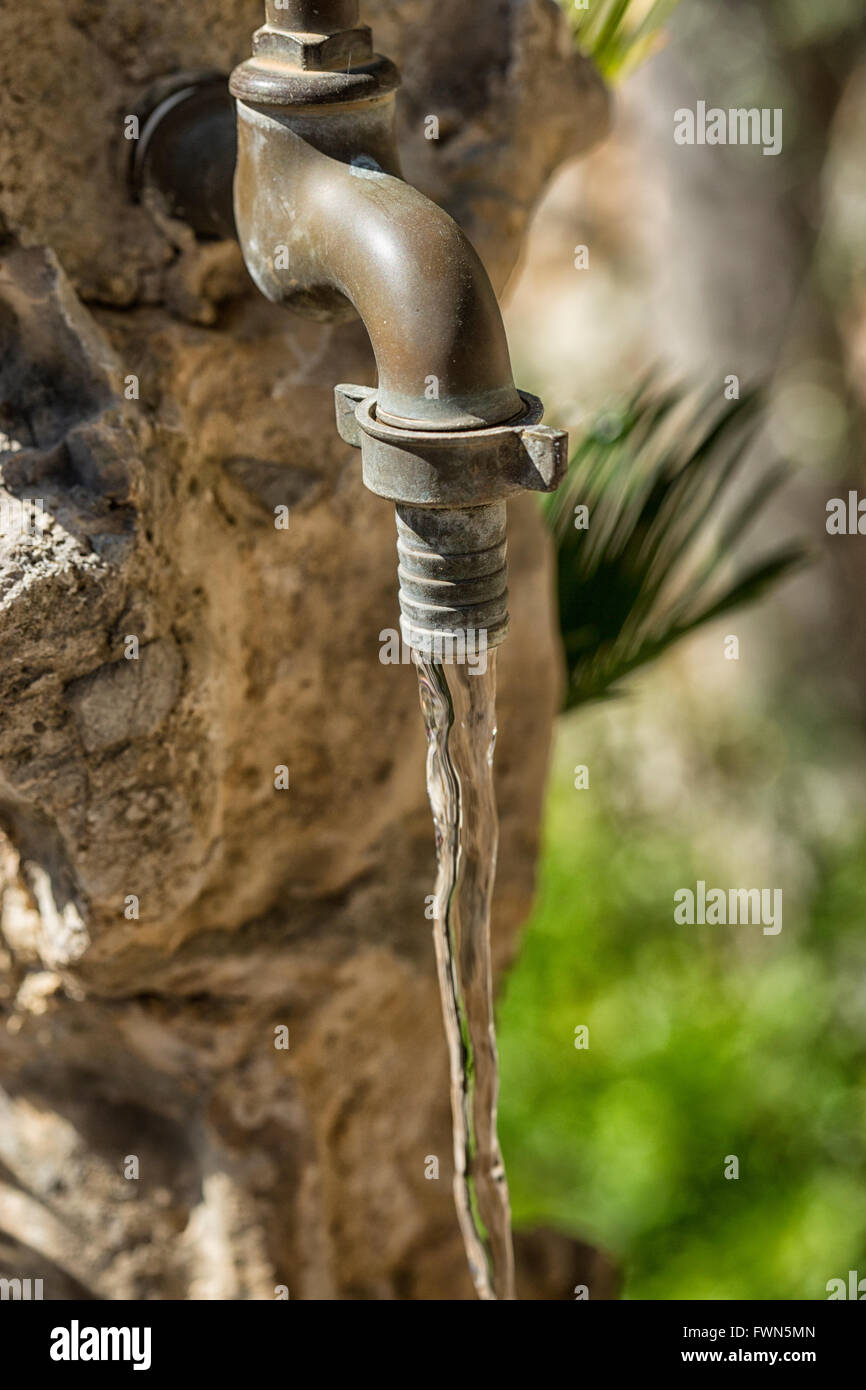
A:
{"x":450,"y":489}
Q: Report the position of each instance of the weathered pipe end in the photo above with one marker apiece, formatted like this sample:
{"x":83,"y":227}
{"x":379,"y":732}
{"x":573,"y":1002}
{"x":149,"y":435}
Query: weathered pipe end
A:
{"x":453,"y":578}
{"x":312,"y":16}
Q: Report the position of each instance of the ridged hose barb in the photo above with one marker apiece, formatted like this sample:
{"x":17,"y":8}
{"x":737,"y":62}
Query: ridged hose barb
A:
{"x":450,"y":488}
{"x":453,"y":578}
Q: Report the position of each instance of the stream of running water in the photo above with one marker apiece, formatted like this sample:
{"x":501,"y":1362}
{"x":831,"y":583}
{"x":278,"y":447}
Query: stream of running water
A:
{"x":460,"y":716}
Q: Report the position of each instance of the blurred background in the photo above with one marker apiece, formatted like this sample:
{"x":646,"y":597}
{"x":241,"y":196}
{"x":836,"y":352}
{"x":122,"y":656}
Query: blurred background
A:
{"x":707,"y":521}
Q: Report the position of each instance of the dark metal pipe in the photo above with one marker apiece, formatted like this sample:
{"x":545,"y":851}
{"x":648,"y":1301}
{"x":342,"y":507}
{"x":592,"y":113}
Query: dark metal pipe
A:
{"x":184,"y":158}
{"x":312,"y":16}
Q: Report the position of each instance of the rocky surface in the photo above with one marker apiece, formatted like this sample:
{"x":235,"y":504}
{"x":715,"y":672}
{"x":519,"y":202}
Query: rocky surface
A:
{"x":165,"y":648}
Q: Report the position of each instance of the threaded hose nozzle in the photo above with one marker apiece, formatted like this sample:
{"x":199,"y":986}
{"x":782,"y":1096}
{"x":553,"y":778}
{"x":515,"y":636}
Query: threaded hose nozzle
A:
{"x":453,"y":579}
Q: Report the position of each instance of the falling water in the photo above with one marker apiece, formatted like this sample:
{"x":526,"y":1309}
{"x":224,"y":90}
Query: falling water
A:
{"x":461,"y":733}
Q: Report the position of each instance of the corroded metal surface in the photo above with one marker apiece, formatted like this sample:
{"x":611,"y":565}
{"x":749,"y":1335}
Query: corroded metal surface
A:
{"x":452,"y":468}
{"x":450,"y":489}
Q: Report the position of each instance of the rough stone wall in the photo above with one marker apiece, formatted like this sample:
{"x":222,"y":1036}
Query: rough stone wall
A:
{"x":257,"y":647}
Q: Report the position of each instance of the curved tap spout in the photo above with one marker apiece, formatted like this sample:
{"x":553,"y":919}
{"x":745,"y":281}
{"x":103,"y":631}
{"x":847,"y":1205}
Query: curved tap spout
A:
{"x":318,"y":231}
{"x":326,"y":224}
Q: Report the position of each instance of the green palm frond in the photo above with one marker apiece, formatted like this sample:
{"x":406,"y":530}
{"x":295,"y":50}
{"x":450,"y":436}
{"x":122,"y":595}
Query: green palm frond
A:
{"x":656,"y":483}
{"x":618,"y":35}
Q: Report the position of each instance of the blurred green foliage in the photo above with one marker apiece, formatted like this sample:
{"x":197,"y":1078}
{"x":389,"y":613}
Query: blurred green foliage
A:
{"x":704,"y":1042}
{"x":653,"y":557}
{"x":617,"y":35}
